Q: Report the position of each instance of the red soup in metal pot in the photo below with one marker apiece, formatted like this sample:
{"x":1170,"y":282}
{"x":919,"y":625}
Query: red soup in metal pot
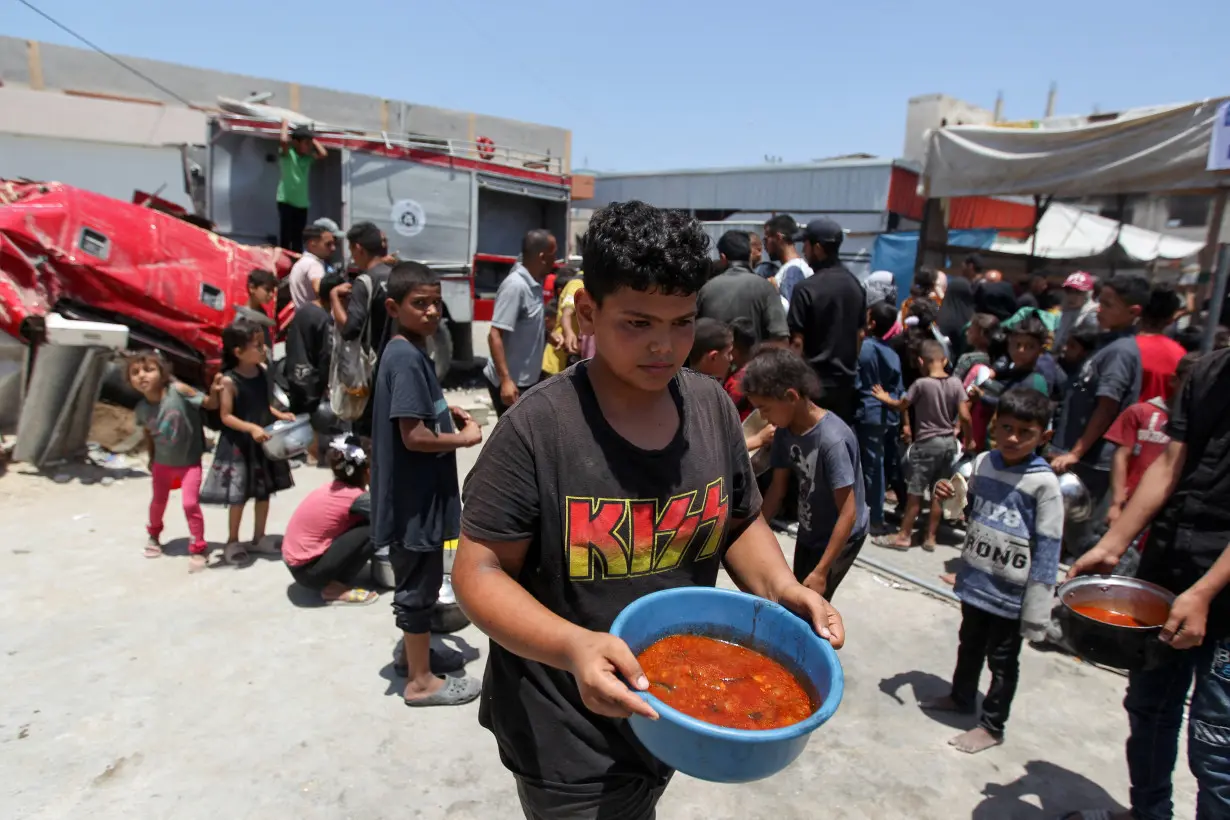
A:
{"x":724,"y":684}
{"x":1110,"y":616}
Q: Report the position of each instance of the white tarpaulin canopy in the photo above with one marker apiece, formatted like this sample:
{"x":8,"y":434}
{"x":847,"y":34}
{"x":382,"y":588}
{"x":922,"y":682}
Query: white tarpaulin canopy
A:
{"x":1065,"y":232}
{"x":1141,"y":151}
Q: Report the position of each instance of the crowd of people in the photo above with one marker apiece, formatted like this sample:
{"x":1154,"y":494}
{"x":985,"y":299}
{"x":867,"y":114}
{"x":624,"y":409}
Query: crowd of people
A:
{"x":657,"y":409}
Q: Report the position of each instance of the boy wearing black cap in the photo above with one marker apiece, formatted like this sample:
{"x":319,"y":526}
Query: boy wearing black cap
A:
{"x":299,"y":149}
{"x":650,"y":489}
{"x":827,"y":312}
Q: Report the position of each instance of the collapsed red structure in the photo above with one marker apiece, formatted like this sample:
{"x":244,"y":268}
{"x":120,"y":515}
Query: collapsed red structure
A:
{"x":88,"y":256}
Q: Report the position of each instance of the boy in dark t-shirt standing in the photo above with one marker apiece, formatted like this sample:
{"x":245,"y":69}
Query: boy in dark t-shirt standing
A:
{"x":1107,"y":383}
{"x":416,"y":508}
{"x":648,"y":487}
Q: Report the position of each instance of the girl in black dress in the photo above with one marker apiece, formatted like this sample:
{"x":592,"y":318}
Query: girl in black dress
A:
{"x":241,"y":470}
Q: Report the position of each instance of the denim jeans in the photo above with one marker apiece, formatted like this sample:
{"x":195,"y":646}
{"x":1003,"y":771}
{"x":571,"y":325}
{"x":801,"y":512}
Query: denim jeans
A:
{"x":1154,"y":705}
{"x":871,"y":453}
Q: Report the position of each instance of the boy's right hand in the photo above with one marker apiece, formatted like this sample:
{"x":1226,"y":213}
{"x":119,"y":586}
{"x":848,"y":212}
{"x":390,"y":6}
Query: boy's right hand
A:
{"x":259,"y":434}
{"x":597,"y":660}
{"x":943,"y":489}
{"x":471,"y":434}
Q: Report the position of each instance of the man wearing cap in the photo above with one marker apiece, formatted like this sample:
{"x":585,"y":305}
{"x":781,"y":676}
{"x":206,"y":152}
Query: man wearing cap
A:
{"x":780,"y":234}
{"x":827,"y":311}
{"x":299,"y":149}
{"x":309,"y":269}
{"x":1079,"y":309}
{"x":336,"y":262}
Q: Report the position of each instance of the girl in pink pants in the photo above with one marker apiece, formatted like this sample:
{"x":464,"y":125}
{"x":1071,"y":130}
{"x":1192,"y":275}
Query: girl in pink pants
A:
{"x":170,"y":414}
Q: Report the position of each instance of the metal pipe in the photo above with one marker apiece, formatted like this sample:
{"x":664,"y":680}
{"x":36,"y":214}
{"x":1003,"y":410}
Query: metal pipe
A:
{"x":873,"y":564}
{"x":1219,"y":296}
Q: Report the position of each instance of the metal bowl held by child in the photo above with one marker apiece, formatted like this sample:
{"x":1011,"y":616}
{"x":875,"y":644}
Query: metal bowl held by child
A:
{"x":716,"y":753}
{"x":288,"y":439}
{"x":1116,"y":621}
{"x":1077,"y":503}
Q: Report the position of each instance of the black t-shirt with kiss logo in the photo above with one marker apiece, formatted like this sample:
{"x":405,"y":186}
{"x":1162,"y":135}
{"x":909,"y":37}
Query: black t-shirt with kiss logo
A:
{"x":608,"y":522}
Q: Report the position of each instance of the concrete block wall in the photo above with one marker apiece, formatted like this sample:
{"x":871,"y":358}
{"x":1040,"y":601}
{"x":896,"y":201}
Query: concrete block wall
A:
{"x":52,"y":67}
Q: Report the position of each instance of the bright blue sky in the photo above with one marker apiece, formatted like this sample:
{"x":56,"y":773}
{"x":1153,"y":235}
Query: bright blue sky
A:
{"x":677,"y":83}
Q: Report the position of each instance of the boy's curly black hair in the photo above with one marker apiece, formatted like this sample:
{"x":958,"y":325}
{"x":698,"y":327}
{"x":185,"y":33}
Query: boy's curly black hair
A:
{"x":637,"y":246}
{"x":774,"y":371}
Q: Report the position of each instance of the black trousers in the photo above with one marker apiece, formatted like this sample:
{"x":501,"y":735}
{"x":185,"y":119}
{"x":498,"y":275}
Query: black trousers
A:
{"x":838,"y":397}
{"x":419,"y":574}
{"x":997,"y":641}
{"x":291,"y":222}
{"x":616,"y":798}
{"x":805,"y":561}
{"x":342,"y":561}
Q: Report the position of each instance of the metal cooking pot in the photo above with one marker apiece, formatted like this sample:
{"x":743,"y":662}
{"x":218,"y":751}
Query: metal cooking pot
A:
{"x":288,"y":439}
{"x":1122,"y":647}
{"x":1077,"y":503}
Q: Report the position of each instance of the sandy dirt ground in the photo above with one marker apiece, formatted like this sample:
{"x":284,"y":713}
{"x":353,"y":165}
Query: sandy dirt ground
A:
{"x":132,"y":689}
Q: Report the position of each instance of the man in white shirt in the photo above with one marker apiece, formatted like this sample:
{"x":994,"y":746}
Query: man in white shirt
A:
{"x":780,"y":234}
{"x":305,"y":276}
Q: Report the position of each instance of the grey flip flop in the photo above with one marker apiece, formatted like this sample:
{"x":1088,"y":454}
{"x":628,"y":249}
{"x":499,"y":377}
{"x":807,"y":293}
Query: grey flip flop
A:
{"x":455,"y":692}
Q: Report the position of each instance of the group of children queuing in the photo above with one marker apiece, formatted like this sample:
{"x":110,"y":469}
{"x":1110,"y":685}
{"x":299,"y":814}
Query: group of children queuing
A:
{"x":1020,"y":413}
{"x":628,"y":473}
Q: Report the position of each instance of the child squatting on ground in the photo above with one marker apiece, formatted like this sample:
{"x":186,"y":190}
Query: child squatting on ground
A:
{"x":941,"y":412}
{"x":1009,"y":563}
{"x":328,"y":540}
{"x":416,"y":503}
{"x":241,"y":470}
{"x":170,"y":414}
{"x":823,"y":454}
{"x":622,"y":476}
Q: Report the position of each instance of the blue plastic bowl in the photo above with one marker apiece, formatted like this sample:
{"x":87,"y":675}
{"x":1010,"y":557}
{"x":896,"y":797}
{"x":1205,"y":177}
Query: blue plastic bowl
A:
{"x":716,"y":753}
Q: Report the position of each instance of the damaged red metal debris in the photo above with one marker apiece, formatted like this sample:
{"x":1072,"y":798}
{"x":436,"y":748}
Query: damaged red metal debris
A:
{"x":88,"y":256}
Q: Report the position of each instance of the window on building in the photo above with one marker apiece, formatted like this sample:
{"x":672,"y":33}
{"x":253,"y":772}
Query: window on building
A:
{"x":1188,"y":211}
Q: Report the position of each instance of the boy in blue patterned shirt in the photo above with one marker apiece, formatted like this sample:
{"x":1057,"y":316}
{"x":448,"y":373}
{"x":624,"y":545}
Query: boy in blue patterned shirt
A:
{"x":1010,"y":561}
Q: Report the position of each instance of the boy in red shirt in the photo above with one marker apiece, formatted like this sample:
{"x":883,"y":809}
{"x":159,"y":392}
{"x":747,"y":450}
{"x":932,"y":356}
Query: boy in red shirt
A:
{"x":1159,"y":354}
{"x":745,"y":342}
{"x":1140,"y":437}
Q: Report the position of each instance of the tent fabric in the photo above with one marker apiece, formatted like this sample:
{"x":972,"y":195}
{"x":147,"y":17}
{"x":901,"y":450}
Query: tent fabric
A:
{"x":896,"y":252}
{"x":1146,"y":150}
{"x":1066,"y":232}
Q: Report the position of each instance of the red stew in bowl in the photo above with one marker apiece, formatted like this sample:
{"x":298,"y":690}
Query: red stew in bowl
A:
{"x":724,"y":684}
{"x":1110,"y":616}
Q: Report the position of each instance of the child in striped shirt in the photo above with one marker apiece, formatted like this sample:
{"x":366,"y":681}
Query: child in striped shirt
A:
{"x":1010,"y":561}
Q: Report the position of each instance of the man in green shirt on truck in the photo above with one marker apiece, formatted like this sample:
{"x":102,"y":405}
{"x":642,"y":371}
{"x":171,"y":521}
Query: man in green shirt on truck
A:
{"x":299,"y":149}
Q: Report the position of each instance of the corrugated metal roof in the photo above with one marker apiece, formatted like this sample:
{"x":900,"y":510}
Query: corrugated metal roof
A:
{"x":874,"y":162}
{"x":839,"y":186}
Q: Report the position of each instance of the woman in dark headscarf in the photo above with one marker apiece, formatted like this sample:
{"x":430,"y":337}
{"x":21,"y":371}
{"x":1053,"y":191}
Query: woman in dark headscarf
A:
{"x":995,"y":296}
{"x":956,"y":311}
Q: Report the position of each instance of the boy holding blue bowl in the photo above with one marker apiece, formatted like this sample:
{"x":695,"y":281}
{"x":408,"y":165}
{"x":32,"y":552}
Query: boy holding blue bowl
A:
{"x":622,"y":476}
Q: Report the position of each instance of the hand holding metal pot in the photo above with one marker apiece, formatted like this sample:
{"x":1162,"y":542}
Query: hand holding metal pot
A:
{"x":1189,"y":616}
